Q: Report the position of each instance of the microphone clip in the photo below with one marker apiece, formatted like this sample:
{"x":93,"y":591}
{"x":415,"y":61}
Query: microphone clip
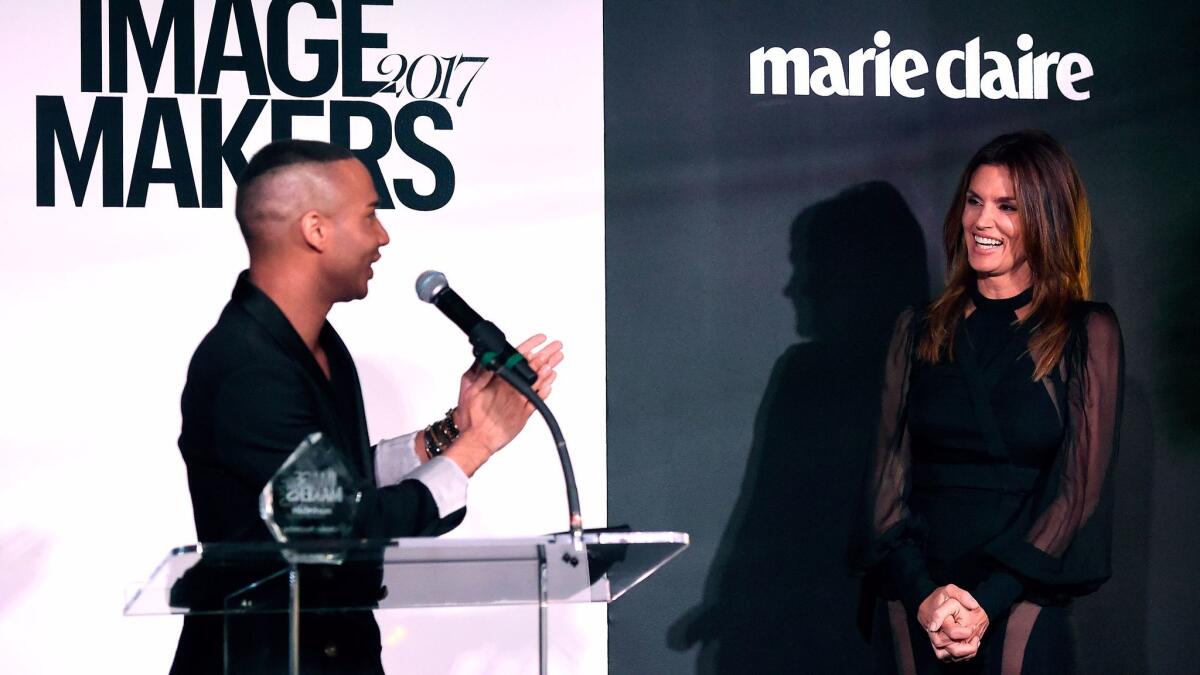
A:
{"x":493,"y":352}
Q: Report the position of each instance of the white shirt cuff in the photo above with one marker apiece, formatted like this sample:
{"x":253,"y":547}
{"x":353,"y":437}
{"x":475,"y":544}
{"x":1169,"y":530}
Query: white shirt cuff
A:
{"x":446,"y":482}
{"x":395,"y":458}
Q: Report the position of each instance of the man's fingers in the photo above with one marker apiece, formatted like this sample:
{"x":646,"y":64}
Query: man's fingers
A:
{"x":528,"y":345}
{"x":545,"y":380}
{"x":551,"y":356}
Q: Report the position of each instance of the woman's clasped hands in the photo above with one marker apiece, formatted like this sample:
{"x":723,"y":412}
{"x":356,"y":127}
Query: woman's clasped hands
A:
{"x":954,"y":621}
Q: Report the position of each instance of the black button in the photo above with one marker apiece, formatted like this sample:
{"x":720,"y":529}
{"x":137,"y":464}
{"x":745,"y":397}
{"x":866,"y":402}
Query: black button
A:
{"x":331,"y":650}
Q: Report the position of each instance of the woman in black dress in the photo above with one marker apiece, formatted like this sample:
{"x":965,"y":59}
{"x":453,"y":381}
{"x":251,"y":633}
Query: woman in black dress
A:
{"x":989,"y":497}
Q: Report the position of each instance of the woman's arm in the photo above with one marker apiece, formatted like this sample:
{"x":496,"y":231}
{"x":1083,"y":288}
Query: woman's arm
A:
{"x":888,"y":540}
{"x":1061,"y":542}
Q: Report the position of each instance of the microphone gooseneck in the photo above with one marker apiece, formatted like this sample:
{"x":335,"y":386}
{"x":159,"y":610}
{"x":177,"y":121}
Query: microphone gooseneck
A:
{"x":564,"y":458}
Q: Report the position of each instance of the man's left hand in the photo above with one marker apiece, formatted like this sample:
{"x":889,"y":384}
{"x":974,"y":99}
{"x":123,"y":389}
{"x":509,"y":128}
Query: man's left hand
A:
{"x":490,"y":412}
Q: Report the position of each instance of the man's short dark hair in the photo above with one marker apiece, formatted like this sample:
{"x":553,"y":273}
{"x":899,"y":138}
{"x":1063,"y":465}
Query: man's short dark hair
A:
{"x":277,"y":155}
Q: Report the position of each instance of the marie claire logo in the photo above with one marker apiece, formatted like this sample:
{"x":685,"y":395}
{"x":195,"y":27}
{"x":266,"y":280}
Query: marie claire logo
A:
{"x":166,"y":147}
{"x":960,"y":73}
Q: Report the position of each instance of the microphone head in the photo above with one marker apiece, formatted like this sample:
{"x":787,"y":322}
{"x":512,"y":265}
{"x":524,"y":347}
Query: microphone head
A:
{"x":430,"y":284}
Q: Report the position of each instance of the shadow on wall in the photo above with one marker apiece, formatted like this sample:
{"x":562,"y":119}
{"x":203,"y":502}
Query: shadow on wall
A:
{"x":1178,"y":336}
{"x":779,"y":593}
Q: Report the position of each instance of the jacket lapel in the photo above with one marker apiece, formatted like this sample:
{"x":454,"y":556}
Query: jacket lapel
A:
{"x":268,"y":314}
{"x":350,"y":388}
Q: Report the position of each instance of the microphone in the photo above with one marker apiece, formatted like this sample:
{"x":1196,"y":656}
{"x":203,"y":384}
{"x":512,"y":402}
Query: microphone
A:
{"x":494,"y":352}
{"x":487,"y":341}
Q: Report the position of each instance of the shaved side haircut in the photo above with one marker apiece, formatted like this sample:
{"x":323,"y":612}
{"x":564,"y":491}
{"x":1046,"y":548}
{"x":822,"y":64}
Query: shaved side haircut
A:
{"x":270,"y":159}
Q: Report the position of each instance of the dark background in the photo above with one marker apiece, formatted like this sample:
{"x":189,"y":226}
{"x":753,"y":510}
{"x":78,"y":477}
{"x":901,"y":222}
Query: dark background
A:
{"x":756,"y":244}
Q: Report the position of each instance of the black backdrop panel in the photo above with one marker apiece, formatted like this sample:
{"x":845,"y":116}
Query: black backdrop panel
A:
{"x":757,"y":249}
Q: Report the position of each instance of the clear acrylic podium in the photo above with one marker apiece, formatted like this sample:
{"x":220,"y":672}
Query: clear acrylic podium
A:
{"x":234,"y":579}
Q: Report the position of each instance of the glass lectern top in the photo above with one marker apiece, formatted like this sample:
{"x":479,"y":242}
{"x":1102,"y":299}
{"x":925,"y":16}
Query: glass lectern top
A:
{"x":410,"y":572}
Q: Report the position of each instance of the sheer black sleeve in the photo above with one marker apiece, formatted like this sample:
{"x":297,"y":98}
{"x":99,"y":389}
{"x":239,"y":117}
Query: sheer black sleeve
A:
{"x":888,"y":543}
{"x":1060,"y":544}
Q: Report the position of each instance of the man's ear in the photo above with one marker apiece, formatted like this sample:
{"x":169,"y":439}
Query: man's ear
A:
{"x":315,"y":230}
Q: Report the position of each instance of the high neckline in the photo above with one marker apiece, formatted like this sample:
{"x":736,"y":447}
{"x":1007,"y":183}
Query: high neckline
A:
{"x":1000,"y":305}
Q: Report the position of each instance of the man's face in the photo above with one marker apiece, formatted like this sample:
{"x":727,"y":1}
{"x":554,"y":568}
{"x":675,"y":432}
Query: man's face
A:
{"x":356,"y":235}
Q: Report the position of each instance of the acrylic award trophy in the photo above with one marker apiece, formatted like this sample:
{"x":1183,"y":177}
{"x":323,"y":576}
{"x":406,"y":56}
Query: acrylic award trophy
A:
{"x":313,"y":496}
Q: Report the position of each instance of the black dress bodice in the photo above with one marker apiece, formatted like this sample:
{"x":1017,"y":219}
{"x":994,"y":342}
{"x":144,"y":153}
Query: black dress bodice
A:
{"x":992,"y":361}
{"x":982,"y":432}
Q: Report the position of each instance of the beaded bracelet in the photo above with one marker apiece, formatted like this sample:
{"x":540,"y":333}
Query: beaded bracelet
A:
{"x":450,"y":426}
{"x":431,"y":448}
{"x":440,"y":435}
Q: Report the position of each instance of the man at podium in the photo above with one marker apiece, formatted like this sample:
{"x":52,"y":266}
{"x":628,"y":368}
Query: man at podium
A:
{"x":272,"y":371}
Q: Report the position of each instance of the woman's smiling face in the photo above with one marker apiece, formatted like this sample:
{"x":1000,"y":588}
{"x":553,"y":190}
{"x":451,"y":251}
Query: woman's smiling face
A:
{"x":993,"y":231}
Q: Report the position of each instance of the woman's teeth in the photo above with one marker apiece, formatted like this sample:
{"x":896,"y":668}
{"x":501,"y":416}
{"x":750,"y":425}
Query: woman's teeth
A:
{"x":986,"y":242}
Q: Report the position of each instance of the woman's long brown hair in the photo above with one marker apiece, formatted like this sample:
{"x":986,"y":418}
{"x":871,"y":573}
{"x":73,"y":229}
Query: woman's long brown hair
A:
{"x":1057,"y":236}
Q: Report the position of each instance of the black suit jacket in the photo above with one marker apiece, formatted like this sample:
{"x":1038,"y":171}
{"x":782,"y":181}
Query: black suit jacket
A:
{"x":253,"y":392}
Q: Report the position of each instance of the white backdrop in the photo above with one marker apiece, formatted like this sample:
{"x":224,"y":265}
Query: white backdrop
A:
{"x":103,"y":307}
